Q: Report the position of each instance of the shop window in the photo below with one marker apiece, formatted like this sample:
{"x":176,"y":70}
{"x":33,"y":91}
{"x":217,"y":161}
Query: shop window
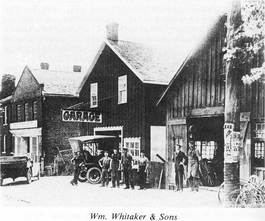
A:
{"x":122,"y":89}
{"x":5,"y":115}
{"x":206,"y":148}
{"x":26,"y":110}
{"x":133,"y":146}
{"x":259,"y":153}
{"x":35,"y":110}
{"x":94,"y":95}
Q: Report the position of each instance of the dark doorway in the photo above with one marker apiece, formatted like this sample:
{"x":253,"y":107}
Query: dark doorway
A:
{"x":209,"y":140}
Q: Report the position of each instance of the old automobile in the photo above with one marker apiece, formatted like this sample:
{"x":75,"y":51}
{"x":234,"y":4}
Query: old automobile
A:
{"x":19,"y":166}
{"x":92,"y":149}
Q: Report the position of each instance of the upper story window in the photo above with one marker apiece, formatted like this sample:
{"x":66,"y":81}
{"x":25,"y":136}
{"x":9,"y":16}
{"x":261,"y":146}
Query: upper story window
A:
{"x":94,"y":95}
{"x":26,"y":110}
{"x":122,"y":89}
{"x":19,"y":114}
{"x":5,"y":115}
{"x":35,"y":110}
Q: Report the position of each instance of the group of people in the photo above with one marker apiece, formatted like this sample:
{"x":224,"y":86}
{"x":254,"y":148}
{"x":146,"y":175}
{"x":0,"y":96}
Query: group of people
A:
{"x":116,"y":164}
{"x":126,"y":164}
{"x":192,"y":161}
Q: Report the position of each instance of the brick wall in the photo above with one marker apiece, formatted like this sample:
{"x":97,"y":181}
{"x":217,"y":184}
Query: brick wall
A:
{"x":55,"y":132}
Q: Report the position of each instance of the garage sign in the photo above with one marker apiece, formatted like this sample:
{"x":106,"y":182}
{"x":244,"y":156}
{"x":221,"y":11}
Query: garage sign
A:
{"x":81,"y":116}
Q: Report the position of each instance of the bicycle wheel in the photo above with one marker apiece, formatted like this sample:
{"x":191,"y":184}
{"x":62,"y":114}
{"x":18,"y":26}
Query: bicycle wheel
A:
{"x":246,"y":199}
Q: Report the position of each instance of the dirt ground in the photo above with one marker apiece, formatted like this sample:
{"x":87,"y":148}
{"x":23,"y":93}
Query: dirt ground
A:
{"x":57,"y":191}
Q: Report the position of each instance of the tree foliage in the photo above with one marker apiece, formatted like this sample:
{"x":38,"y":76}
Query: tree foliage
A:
{"x":248,"y":39}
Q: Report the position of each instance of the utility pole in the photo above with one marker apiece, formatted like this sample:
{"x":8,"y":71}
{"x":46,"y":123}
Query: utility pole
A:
{"x":232,"y":106}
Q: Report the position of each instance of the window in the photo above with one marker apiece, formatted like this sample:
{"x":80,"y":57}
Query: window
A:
{"x":94,"y":95}
{"x":259,"y":153}
{"x":122,"y":89}
{"x":5,"y":115}
{"x":260,"y":130}
{"x":133,"y":146}
{"x":177,"y":141}
{"x":26,"y":110}
{"x":206,"y":148}
{"x":4,"y":144}
{"x":19,"y":114}
{"x":35,"y":110}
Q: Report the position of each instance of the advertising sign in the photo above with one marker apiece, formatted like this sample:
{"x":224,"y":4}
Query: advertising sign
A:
{"x":81,"y":116}
{"x":231,"y":143}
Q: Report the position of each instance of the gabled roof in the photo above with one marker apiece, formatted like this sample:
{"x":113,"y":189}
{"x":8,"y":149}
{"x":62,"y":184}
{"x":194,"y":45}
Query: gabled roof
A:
{"x":207,"y":35}
{"x":58,"y":82}
{"x":150,"y":65}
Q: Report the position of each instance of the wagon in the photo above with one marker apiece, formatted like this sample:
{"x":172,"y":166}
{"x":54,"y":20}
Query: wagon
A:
{"x":18,"y":166}
{"x":92,"y":149}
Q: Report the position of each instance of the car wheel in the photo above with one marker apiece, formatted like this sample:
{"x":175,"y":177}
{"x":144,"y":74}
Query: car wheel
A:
{"x":29,"y":176}
{"x":82,"y":177}
{"x":94,"y":175}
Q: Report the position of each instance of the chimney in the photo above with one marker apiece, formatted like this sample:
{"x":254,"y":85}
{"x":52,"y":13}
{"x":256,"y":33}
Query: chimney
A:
{"x":8,"y":85}
{"x":77,"y":68}
{"x":112,"y":31}
{"x":44,"y":66}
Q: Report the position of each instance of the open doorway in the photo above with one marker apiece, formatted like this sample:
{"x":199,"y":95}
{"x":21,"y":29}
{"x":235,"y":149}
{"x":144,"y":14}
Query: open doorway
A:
{"x":209,"y":140}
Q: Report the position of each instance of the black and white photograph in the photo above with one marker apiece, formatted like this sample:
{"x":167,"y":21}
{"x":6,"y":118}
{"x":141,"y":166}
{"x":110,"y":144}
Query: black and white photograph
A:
{"x":132,"y":110}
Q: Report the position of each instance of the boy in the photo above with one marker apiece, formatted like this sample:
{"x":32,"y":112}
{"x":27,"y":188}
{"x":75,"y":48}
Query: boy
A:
{"x":104,"y":163}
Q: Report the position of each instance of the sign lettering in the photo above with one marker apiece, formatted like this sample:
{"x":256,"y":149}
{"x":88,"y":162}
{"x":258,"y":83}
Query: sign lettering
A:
{"x":81,"y":116}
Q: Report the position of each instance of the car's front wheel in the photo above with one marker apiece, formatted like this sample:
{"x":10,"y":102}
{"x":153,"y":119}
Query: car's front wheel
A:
{"x":94,"y":175}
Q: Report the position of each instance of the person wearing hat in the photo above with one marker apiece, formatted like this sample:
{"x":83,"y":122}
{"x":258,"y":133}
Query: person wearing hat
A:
{"x":126,"y":162}
{"x":104,"y":163}
{"x":115,"y":166}
{"x":180,"y":159}
{"x":77,"y":161}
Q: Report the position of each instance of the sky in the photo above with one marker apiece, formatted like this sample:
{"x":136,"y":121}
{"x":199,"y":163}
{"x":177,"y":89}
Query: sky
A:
{"x":68,"y":32}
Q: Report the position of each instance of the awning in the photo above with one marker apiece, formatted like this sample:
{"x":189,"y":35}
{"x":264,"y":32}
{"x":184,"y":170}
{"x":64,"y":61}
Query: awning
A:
{"x":91,"y":138}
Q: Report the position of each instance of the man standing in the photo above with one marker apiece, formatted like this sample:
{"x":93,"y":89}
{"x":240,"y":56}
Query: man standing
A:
{"x":77,"y":160}
{"x":193,"y":167}
{"x":180,"y":159}
{"x":104,"y":163}
{"x":115,"y":166}
{"x":126,"y":161}
{"x":143,"y":163}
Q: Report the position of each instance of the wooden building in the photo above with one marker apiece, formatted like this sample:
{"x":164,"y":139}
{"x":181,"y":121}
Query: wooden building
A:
{"x":123,"y":85}
{"x":31,"y":117}
{"x":195,"y":96}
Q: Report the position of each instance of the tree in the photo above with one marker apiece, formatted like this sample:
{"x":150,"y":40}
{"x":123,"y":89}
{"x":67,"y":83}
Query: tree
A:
{"x":250,"y":38}
{"x":245,"y":40}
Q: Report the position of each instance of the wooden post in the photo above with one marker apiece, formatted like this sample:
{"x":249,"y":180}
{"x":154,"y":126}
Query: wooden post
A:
{"x":232,"y":107}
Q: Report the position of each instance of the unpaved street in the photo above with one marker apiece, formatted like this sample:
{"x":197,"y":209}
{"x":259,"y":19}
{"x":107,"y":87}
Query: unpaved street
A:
{"x":57,"y":191}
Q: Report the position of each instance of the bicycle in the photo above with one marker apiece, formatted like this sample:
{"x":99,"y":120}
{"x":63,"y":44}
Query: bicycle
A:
{"x":250,"y":194}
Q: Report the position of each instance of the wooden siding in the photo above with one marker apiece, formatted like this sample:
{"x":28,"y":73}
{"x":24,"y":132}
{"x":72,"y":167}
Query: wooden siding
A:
{"x":137,"y":114}
{"x":201,"y":83}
